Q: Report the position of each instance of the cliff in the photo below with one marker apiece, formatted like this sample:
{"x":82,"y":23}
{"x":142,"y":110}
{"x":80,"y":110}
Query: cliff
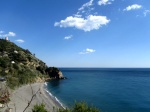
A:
{"x":19,"y":66}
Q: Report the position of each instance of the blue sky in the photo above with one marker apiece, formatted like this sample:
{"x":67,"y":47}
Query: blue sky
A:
{"x":80,"y":33}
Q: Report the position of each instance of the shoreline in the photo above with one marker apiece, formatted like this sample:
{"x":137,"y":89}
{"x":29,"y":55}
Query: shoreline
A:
{"x":49,"y":94}
{"x":21,"y":96}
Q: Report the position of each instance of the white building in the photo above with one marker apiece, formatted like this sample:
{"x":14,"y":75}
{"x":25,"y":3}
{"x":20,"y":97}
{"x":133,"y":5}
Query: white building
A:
{"x":6,"y":38}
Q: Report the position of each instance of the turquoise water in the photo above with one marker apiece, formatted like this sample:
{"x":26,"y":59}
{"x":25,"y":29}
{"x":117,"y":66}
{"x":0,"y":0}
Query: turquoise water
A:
{"x":110,"y":90}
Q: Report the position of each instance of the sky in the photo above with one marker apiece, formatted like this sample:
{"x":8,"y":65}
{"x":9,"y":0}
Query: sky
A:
{"x":80,"y":33}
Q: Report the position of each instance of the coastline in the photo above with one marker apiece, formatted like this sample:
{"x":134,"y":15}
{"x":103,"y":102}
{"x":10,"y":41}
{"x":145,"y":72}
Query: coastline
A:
{"x":55,"y":100}
{"x":21,"y":97}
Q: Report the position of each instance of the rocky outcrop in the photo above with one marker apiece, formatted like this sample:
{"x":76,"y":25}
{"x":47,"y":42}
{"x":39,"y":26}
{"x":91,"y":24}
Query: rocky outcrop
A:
{"x":54,"y":73}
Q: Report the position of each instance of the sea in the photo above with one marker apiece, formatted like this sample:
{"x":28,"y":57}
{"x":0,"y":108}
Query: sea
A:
{"x":108,"y":89}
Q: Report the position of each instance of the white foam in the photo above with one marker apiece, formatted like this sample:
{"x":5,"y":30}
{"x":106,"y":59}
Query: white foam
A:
{"x":59,"y":102}
{"x":54,"y":98}
{"x":49,"y":93}
{"x":45,"y":83}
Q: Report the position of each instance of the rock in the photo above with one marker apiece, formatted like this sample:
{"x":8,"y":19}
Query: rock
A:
{"x":54,"y":73}
{"x":60,"y":75}
{"x":2,"y":105}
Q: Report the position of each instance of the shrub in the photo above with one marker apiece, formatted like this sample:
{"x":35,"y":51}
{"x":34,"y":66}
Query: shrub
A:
{"x":4,"y":62}
{"x":12,"y":82}
{"x":39,"y":108}
{"x":78,"y":107}
{"x":52,"y":72}
{"x":81,"y":107}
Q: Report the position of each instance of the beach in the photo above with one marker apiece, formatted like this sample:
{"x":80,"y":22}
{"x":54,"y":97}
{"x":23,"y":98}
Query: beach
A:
{"x":23,"y":95}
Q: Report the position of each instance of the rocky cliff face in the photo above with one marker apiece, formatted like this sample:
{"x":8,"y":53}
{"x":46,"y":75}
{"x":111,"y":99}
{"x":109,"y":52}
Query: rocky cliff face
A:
{"x":54,"y":73}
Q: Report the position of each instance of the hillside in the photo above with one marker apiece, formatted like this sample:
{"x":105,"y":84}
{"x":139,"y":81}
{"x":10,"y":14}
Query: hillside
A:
{"x":19,"y":66}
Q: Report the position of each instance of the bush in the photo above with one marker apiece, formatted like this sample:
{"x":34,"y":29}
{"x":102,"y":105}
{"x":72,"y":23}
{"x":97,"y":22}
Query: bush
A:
{"x":78,"y":107}
{"x":12,"y":82}
{"x":4,"y":62}
{"x":16,"y":66}
{"x":52,"y":72}
{"x":81,"y":107}
{"x":39,"y":108}
{"x":26,"y":76}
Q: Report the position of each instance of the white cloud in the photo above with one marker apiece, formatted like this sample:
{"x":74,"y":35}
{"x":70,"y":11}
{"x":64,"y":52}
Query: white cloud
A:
{"x":87,"y":51}
{"x":68,"y":37}
{"x":89,"y":23}
{"x":88,"y":4}
{"x":9,"y":34}
{"x":85,"y":8}
{"x":146,"y":12}
{"x":78,"y":15}
{"x":133,"y":7}
{"x":105,"y":2}
{"x":84,"y":19}
{"x":20,"y":41}
{"x":1,"y":31}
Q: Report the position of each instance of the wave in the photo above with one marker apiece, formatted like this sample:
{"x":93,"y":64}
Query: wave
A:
{"x":45,"y":83}
{"x":54,"y":98}
{"x":59,"y":102}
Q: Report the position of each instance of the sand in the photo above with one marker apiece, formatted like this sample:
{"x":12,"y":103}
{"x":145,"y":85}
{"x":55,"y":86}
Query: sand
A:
{"x":23,"y":95}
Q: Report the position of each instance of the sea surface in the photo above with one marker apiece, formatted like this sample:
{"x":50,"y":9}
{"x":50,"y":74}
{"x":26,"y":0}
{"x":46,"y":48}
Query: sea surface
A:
{"x":109,"y":89}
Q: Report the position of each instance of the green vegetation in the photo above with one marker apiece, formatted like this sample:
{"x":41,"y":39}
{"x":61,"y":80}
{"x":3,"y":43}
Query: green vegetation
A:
{"x":39,"y":108}
{"x":78,"y":107}
{"x":81,"y":107}
{"x":18,"y":65}
{"x":8,"y":46}
{"x":53,"y":72}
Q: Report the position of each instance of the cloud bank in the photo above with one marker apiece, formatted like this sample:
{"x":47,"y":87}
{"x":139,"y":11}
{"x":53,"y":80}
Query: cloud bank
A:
{"x":84,"y":19}
{"x":91,"y":22}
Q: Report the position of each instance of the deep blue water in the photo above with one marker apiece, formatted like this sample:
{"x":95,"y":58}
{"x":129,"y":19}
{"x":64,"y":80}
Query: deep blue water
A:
{"x":110,"y":90}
